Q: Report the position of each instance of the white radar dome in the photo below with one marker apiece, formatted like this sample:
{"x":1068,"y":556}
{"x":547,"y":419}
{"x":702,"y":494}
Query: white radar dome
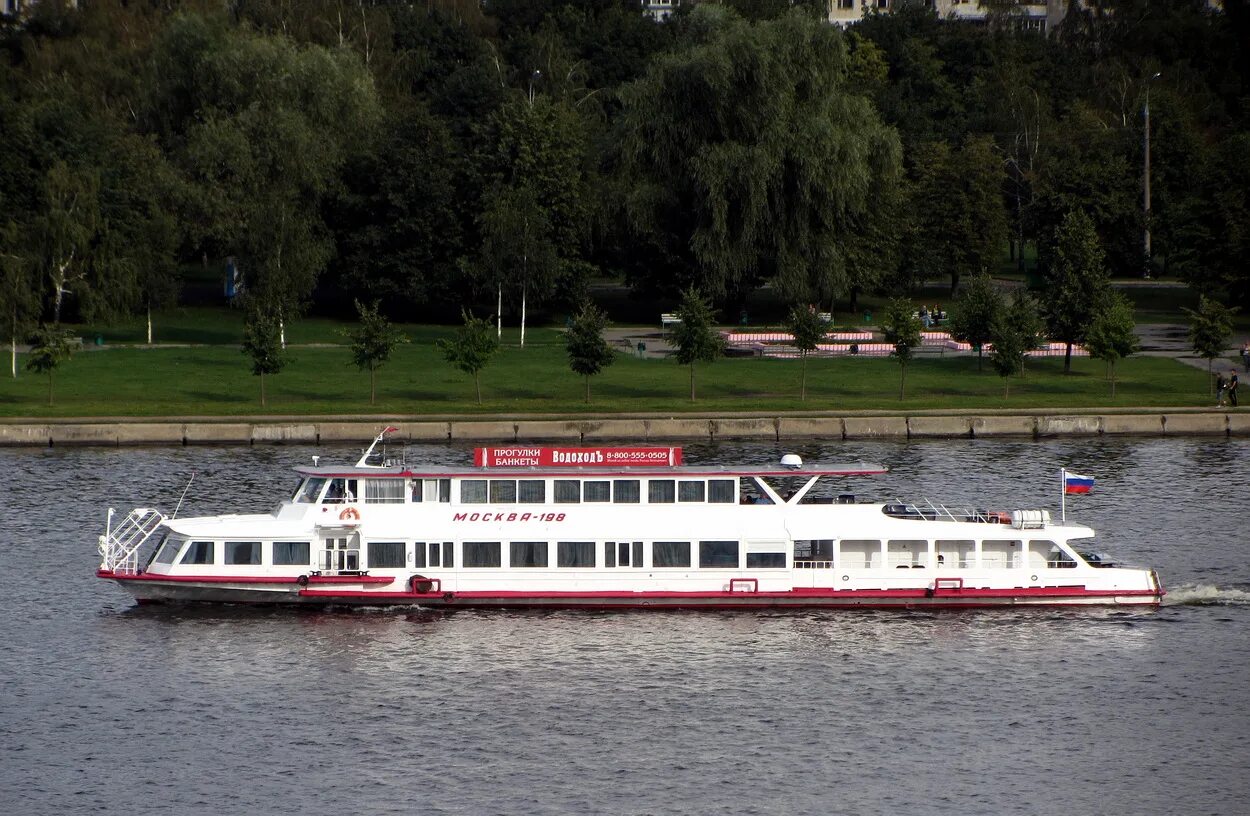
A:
{"x":792,"y":460}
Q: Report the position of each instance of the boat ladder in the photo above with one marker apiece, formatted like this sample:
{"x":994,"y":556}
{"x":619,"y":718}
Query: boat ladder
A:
{"x":119,"y":546}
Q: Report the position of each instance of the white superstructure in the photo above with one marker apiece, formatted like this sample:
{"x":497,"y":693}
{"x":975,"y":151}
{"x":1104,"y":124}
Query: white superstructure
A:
{"x":609,"y":528}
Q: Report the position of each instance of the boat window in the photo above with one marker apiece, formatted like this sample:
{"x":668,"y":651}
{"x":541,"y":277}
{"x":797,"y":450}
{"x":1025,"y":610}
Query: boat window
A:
{"x":766,"y":560}
{"x":567,"y":491}
{"x":691,"y":491}
{"x":198,"y":552}
{"x":418,"y":491}
{"x":531,"y":491}
{"x":418,"y":554}
{"x":444,"y":490}
{"x":626,"y":491}
{"x":243,"y":552}
{"x":291,"y":553}
{"x":906,"y":553}
{"x":503,"y":491}
{"x":721,"y":491}
{"x":718,"y":554}
{"x":434,"y":552}
{"x":309,"y":491}
{"x":480,"y":554}
{"x":341,"y":490}
{"x":670,"y":554}
{"x":1058,"y":559}
{"x":661,"y":491}
{"x":448,"y":559}
{"x":575,"y":554}
{"x":637,"y":547}
{"x":857,"y":553}
{"x":956,"y":553}
{"x":527,"y":554}
{"x":609,"y":554}
{"x":472,"y":491}
{"x":386,"y":554}
{"x":169,"y":550}
{"x":384,"y":491}
{"x":1000,"y":554}
{"x":622,"y":553}
{"x":596,"y":491}
{"x":1043,"y":553}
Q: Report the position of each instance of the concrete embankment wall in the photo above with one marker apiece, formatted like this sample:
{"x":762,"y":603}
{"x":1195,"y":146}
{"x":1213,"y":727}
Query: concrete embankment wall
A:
{"x":592,"y":431}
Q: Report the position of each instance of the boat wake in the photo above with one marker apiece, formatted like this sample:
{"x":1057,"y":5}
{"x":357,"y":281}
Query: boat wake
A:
{"x":1206,"y":595}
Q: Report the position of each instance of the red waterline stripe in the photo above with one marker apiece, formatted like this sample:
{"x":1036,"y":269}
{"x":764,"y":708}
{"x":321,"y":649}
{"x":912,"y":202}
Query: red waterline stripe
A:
{"x":805,"y":594}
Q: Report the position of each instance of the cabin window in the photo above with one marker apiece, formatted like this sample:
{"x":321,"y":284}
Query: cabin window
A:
{"x":626,"y":491}
{"x":198,"y":552}
{"x":766,"y":560}
{"x":1043,"y":554}
{"x":473,"y":491}
{"x":435,"y":561}
{"x":386,"y":554}
{"x":418,"y":491}
{"x":718,"y":554}
{"x":243,"y":552}
{"x":670,"y":554}
{"x":661,"y":491}
{"x":503,"y":491}
{"x":859,"y":553}
{"x":418,"y":554}
{"x":384,"y":491}
{"x":1000,"y":554}
{"x":622,"y":553}
{"x":959,"y":553}
{"x":341,"y":490}
{"x":531,"y":491}
{"x":309,"y":491}
{"x":527,"y":554}
{"x":907,"y":553}
{"x":609,"y":554}
{"x":480,"y":554}
{"x":575,"y":554}
{"x":721,"y":491}
{"x":444,"y":490}
{"x":596,"y":491}
{"x":567,"y":491}
{"x":448,"y":555}
{"x":637,"y":549}
{"x":691,"y":491}
{"x":291,"y":553}
{"x":169,"y":550}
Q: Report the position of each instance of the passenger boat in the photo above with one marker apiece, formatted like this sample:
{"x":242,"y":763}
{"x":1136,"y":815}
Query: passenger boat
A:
{"x":609,"y":528}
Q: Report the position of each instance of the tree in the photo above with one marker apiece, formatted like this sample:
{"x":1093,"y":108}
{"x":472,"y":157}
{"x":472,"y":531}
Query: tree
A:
{"x":808,"y":330}
{"x":19,"y":304}
{"x":471,"y":349}
{"x":65,"y":228}
{"x":589,"y":353}
{"x":1113,"y":334}
{"x":373,"y":343}
{"x":747,"y":156}
{"x":1209,"y":329}
{"x":1023,"y":315}
{"x":694,"y":336}
{"x":1009,"y":347}
{"x":975,"y":312}
{"x":901,"y":328}
{"x":262,"y":341}
{"x":50,"y":346}
{"x":517,"y":252}
{"x":1076,"y":281}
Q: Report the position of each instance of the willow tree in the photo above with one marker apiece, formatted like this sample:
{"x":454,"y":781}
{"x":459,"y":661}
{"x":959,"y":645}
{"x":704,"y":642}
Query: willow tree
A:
{"x":750,"y":156}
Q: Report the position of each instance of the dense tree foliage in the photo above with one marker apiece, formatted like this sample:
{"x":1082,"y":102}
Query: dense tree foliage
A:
{"x":452,"y":153}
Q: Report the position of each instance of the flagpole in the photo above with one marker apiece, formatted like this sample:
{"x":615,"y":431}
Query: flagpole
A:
{"x":1063,"y":493}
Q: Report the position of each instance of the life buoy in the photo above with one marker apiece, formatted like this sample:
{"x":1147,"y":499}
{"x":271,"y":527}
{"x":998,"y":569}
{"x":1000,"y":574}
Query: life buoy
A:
{"x":349,"y":513}
{"x":420,"y":584}
{"x":302,"y":580}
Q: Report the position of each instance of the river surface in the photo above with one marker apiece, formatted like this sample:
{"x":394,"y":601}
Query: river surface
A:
{"x":106,"y":707}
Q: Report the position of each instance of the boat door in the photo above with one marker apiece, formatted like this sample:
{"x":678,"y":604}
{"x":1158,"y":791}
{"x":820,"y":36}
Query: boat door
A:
{"x":341,"y":553}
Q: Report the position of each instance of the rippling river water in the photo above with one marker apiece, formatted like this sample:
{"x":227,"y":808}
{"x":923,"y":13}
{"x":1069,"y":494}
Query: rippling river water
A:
{"x":106,"y":707}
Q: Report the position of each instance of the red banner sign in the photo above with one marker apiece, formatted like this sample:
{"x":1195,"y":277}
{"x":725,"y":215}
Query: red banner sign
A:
{"x":522,"y":456}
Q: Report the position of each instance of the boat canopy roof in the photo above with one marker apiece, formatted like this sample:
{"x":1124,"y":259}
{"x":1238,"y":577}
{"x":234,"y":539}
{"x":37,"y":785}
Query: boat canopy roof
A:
{"x":582,"y":471}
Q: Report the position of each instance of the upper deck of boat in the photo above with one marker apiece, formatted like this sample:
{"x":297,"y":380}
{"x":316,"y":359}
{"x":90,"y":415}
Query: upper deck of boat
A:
{"x":406,"y":471}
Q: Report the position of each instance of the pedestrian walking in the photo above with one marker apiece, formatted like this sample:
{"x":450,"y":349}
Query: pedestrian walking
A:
{"x":1220,"y":385}
{"x":1245,"y":355}
{"x":1231,"y":387}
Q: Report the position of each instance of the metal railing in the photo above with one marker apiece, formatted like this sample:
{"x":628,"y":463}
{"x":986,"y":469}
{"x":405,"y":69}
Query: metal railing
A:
{"x":119,"y":546}
{"x":929,"y":511}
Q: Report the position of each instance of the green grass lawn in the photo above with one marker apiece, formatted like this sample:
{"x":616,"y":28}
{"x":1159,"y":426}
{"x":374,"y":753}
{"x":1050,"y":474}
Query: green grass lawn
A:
{"x":216,"y":380}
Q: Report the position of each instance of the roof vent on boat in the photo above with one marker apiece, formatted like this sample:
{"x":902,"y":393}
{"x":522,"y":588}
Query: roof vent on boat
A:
{"x":792,"y":461}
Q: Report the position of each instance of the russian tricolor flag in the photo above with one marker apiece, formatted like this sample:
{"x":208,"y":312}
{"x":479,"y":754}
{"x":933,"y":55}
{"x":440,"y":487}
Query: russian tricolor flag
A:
{"x":1076,"y":483}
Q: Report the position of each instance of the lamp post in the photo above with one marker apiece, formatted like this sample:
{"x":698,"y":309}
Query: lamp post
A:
{"x":1146,"y":179}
